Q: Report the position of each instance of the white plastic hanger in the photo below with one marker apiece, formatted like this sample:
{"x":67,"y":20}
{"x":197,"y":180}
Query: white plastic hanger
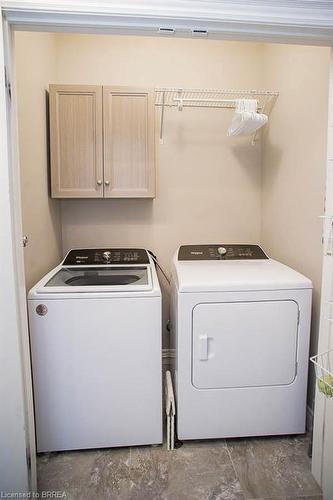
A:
{"x":246,"y":119}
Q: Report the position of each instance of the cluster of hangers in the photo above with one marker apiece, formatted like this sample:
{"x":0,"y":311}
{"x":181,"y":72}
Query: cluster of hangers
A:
{"x":252,"y":107}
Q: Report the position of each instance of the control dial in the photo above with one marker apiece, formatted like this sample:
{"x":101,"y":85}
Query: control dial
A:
{"x":221,"y":251}
{"x":107,"y":256}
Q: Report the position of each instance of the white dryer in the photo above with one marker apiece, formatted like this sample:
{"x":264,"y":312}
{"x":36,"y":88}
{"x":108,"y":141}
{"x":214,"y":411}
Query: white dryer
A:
{"x":241,"y":325}
{"x":95,"y":332}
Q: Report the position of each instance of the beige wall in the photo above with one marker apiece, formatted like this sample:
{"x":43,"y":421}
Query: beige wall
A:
{"x":208,"y":185}
{"x":36,"y":67}
{"x":294,"y":162}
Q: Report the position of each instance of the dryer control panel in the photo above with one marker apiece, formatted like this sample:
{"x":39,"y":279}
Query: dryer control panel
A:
{"x":103,"y":256}
{"x":221,"y":252}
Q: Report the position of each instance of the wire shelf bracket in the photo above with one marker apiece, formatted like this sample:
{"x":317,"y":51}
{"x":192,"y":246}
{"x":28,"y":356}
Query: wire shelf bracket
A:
{"x":207,"y":98}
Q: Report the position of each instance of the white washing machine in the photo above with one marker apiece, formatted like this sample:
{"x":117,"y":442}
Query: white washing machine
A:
{"x":95,"y":332}
{"x":241,"y":325}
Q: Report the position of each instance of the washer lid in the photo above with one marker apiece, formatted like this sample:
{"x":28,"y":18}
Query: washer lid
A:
{"x":70,"y":279}
{"x":236,"y":275}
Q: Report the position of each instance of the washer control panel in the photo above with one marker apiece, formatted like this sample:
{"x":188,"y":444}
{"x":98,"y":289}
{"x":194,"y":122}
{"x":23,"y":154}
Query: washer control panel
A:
{"x":104,"y":256}
{"x":221,"y":252}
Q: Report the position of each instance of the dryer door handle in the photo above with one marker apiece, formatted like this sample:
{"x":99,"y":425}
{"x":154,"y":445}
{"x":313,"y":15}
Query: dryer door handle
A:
{"x":203,"y":347}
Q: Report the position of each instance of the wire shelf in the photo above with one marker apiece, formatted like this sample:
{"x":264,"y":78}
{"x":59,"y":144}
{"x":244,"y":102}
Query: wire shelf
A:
{"x":209,"y":98}
{"x":324,"y":372}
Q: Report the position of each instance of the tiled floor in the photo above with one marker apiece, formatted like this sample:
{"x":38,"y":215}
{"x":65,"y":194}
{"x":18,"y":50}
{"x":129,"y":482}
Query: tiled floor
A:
{"x":236,"y":469}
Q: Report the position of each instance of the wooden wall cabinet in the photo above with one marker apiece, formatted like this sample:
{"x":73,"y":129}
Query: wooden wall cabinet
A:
{"x":128,"y":127}
{"x":102,"y":142}
{"x":76,"y":141}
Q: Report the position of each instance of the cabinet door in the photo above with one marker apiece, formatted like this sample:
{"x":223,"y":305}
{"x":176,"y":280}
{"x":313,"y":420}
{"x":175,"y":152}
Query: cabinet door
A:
{"x":129,"y":167}
{"x":76,"y":141}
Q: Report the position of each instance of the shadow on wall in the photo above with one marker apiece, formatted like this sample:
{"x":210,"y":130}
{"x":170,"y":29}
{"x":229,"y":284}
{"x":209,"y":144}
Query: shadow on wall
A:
{"x":246,"y":154}
{"x":48,"y":141}
{"x":103,"y":212}
{"x":275,"y":153}
{"x":53,"y":204}
{"x":247,"y":157}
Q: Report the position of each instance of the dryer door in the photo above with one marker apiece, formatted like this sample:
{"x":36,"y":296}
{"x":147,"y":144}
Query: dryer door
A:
{"x":244,"y":344}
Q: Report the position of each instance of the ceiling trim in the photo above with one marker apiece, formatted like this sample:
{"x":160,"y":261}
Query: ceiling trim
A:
{"x":305,"y":22}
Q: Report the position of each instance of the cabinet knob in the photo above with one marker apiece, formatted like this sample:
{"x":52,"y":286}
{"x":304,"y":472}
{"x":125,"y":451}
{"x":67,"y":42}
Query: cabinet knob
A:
{"x":107,"y":183}
{"x":99,"y":182}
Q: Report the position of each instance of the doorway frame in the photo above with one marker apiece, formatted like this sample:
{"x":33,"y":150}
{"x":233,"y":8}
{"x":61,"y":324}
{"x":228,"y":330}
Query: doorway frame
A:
{"x":248,"y":23}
